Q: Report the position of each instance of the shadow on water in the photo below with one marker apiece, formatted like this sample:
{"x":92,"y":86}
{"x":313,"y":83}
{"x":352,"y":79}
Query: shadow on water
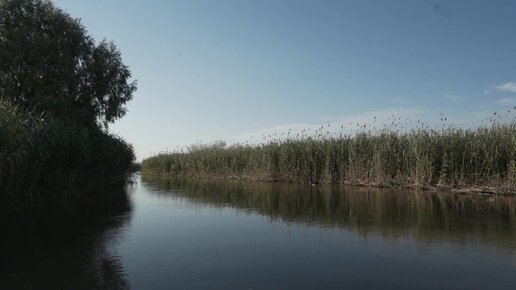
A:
{"x":152,"y":235}
{"x":71,"y":252}
{"x":391,"y":213}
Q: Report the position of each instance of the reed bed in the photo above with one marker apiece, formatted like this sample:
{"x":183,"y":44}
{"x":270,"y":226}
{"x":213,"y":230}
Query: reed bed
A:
{"x":45,"y":161}
{"x":421,"y":157}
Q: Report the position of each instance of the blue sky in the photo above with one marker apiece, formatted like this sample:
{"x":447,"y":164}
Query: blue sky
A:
{"x":228,"y":70}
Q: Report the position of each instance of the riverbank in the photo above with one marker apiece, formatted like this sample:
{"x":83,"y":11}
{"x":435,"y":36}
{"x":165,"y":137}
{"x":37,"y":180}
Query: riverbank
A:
{"x":480,"y":160}
{"x":47,"y":163}
{"x":59,"y":91}
{"x":472,"y":190}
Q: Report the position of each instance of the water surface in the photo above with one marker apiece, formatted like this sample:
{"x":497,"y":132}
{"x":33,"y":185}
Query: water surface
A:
{"x":186,"y":234}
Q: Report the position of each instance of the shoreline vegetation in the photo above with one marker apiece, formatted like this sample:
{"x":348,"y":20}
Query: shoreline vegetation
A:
{"x":46,"y":163}
{"x":481,"y":160}
{"x":59,"y":91}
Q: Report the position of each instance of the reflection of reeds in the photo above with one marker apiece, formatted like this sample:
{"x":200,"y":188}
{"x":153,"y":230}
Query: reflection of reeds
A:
{"x":419,"y":157}
{"x":391,"y":213}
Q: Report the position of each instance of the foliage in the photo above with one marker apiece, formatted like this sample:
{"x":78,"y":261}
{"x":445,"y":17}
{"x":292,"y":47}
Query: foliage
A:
{"x":42,"y":158}
{"x":58,"y":92}
{"x":420,"y":157}
{"x":48,"y":62}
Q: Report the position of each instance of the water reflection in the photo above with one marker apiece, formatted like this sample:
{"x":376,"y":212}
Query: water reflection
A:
{"x":186,"y":234}
{"x":76,"y":252}
{"x":391,"y":213}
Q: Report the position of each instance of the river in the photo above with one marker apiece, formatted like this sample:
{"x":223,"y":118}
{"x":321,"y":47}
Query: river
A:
{"x":187,"y":234}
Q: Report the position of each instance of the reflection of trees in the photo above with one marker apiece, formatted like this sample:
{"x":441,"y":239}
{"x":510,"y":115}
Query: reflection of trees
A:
{"x":426,"y":216}
{"x":72,"y":253}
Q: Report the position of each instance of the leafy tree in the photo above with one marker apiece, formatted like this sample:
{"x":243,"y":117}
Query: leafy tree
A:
{"x":48,"y":62}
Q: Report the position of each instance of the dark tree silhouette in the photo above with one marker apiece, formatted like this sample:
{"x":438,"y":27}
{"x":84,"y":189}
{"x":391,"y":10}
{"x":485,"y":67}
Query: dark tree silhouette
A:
{"x":48,"y":62}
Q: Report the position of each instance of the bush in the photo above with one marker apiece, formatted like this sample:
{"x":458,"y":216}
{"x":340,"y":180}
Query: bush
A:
{"x":42,"y":159}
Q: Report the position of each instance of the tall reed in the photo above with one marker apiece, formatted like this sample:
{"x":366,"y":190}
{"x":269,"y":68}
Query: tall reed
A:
{"x":43,"y":160}
{"x":418,"y":157}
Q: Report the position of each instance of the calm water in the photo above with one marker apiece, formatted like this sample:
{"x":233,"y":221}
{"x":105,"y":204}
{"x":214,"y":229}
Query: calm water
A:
{"x":179,"y":234}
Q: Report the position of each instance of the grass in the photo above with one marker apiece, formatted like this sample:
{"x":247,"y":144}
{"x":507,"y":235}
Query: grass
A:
{"x":44,"y":160}
{"x":420,"y":157}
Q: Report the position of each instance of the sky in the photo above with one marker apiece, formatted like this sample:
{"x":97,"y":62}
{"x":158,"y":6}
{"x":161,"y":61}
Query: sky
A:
{"x":227,"y":70}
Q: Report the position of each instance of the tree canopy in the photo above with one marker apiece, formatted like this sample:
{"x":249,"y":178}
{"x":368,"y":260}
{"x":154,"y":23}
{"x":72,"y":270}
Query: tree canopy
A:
{"x":49,"y":62}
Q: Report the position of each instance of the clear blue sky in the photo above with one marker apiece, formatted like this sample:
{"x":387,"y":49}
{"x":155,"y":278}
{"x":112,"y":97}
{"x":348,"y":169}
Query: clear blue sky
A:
{"x":212,"y":70}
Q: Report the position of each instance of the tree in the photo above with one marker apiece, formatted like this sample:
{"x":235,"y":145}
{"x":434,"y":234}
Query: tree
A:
{"x":49,"y":63}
